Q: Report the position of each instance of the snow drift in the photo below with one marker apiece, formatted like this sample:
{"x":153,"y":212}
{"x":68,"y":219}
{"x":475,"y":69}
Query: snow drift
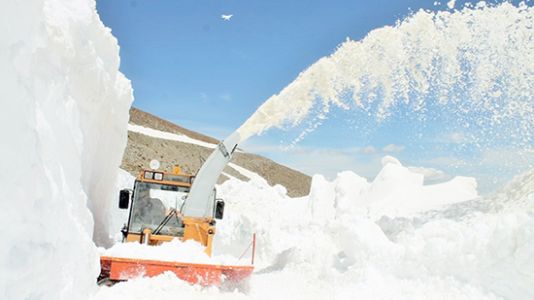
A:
{"x":63,"y":125}
{"x":352,"y":238}
{"x":396,"y":191}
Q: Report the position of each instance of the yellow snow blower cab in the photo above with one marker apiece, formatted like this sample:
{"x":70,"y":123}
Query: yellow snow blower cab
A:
{"x":155,"y":216}
{"x":164,"y":206}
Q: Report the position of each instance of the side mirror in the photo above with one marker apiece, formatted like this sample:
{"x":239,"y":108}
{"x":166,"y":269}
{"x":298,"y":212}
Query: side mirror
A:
{"x":124,"y":199}
{"x":219,"y":209}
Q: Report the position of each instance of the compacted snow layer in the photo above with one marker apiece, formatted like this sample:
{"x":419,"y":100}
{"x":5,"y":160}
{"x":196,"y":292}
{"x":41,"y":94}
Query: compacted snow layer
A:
{"x":188,"y":251}
{"x":429,"y":242}
{"x":168,"y":136}
{"x":63,"y":117}
{"x":174,"y":251}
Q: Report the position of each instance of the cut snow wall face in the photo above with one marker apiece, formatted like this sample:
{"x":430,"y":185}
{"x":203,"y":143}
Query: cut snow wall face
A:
{"x":63,"y":120}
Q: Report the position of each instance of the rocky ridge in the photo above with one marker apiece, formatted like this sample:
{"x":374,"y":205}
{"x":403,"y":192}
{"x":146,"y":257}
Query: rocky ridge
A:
{"x":142,"y":148}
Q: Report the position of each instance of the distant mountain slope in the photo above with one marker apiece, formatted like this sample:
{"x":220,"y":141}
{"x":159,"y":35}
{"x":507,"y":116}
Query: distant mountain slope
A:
{"x":144,"y":145}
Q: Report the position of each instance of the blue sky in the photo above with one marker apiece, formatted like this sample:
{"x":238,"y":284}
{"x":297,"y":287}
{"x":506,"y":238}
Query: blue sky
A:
{"x":190,"y":66}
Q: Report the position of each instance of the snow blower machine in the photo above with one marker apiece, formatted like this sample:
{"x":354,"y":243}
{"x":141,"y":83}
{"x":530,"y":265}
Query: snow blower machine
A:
{"x":165,"y":206}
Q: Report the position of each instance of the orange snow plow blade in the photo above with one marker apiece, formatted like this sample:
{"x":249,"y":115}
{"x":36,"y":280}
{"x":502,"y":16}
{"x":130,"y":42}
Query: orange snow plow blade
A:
{"x":120,"y":269}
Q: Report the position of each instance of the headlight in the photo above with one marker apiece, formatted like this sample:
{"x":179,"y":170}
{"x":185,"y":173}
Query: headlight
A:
{"x":148,"y":175}
{"x":158,"y":176}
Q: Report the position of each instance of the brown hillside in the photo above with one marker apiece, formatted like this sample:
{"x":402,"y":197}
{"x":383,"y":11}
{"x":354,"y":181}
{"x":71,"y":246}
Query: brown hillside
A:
{"x":142,"y":148}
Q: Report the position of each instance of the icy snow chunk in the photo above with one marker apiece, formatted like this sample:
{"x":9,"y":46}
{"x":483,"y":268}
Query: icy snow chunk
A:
{"x":390,"y":160}
{"x":321,"y":199}
{"x":398,"y":191}
{"x":348,"y":189}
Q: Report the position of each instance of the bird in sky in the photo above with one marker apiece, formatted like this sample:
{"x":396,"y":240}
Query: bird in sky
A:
{"x":226,"y":17}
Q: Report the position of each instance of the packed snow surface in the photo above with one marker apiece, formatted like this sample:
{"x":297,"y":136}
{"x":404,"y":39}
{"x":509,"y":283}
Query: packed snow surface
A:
{"x":168,"y":136}
{"x":351,"y":239}
{"x":63,"y":117}
{"x":176,"y":251}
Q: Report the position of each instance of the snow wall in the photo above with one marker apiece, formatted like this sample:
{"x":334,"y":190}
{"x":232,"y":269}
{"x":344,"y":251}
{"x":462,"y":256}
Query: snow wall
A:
{"x":63,"y":120}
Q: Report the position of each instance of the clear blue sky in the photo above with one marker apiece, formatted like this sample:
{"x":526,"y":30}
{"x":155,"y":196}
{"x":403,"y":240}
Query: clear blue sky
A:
{"x":190,"y":66}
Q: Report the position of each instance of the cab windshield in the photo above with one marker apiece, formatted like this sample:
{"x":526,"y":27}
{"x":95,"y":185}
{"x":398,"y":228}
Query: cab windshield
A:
{"x":152,"y":203}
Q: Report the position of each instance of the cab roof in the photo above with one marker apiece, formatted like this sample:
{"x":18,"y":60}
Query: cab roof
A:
{"x":155,"y":176}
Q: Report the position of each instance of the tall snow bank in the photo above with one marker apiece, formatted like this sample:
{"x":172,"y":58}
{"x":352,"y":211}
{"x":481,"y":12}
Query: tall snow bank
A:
{"x":63,"y":120}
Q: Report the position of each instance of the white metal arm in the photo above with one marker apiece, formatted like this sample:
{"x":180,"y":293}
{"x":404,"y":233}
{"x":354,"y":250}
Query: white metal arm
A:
{"x":199,"y":202}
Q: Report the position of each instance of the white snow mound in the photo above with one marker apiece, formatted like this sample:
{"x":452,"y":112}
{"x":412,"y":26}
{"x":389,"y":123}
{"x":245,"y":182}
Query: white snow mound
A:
{"x":63,"y":126}
{"x":390,"y":238}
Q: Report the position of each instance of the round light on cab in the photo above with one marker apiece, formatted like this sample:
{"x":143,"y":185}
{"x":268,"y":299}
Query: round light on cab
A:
{"x":154,"y":164}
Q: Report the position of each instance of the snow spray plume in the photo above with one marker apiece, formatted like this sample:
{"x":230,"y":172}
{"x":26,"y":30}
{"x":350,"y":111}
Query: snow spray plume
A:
{"x":476,"y":63}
